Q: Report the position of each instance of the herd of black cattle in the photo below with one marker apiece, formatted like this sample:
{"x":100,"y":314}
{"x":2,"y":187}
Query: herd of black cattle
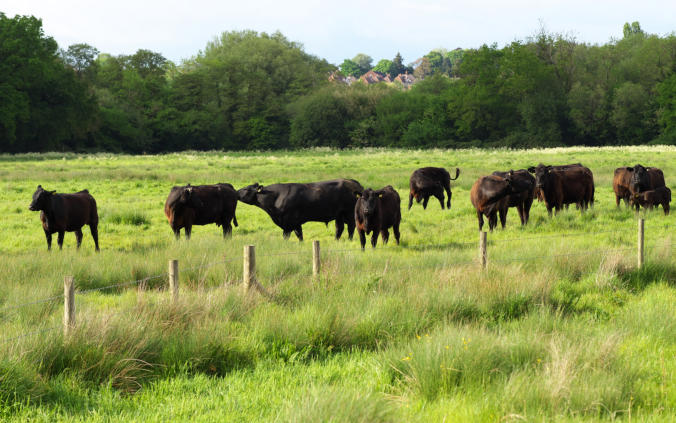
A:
{"x":346,"y":202}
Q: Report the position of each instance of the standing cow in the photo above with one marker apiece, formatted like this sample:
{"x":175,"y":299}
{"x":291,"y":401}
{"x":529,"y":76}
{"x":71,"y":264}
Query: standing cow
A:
{"x":621,"y":183}
{"x":431,"y":181}
{"x":376,"y":212}
{"x":488,"y":196}
{"x":644,"y":179}
{"x":653,"y":198}
{"x":61,"y":213}
{"x":201,"y":205}
{"x":291,"y":205}
{"x":523,"y":186}
{"x":574,"y":185}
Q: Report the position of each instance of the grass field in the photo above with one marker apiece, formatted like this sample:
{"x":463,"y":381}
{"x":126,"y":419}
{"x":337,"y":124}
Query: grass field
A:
{"x":562,"y":326}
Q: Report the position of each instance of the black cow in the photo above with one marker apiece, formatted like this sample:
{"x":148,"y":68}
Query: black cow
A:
{"x":574,"y":185}
{"x":62,"y":213}
{"x":644,"y":179}
{"x":488,"y":195}
{"x":290,"y":205}
{"x":431,"y":181}
{"x":523,"y":185}
{"x":653,"y":198}
{"x":377,"y":211}
{"x":201,"y":205}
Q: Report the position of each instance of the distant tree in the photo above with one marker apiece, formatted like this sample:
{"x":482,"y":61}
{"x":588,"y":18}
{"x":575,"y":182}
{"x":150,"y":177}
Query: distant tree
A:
{"x":397,"y":67}
{"x":630,"y":30}
{"x":667,"y":105}
{"x":383,"y":67}
{"x":80,"y":57}
{"x":350,"y":68}
{"x":422,"y":68}
{"x":148,"y":63}
{"x":364,"y":61}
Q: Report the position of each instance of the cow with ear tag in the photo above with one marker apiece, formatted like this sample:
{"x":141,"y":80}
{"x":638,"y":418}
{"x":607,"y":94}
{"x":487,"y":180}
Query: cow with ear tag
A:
{"x":61,"y":213}
{"x":375,"y":212}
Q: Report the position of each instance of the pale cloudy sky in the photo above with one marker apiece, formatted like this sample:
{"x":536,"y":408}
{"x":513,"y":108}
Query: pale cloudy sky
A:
{"x":336,"y":30}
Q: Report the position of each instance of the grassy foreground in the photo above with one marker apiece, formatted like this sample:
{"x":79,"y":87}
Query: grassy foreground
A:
{"x":560,"y":327}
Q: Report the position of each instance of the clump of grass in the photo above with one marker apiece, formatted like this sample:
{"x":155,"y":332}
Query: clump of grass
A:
{"x":129,"y":218}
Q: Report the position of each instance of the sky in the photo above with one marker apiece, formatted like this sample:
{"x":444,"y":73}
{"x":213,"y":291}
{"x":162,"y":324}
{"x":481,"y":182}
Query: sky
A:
{"x":336,"y":30}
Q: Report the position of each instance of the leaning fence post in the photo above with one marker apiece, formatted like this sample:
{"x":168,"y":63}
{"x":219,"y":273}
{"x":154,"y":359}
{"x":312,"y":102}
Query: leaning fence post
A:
{"x":173,"y":280}
{"x":68,"y":305}
{"x":249,"y":270}
{"x":482,"y":249}
{"x":316,"y":264}
{"x":641,"y":245}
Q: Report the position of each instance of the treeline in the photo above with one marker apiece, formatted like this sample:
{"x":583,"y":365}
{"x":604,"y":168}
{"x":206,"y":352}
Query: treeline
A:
{"x":249,"y":90}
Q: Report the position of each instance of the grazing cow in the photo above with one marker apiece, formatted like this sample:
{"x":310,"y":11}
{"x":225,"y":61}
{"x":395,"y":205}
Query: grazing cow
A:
{"x":653,"y":198}
{"x":488,"y":196}
{"x":62,"y":213}
{"x":291,"y":205}
{"x":431,"y":181}
{"x":377,"y":211}
{"x":523,"y":185}
{"x":574,"y":185}
{"x":621,"y":184}
{"x":645,"y":179}
{"x":201,"y":205}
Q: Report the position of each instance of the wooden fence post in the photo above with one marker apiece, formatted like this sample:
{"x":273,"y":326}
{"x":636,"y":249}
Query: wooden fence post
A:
{"x":249,"y":270}
{"x":482,"y":249}
{"x":68,"y":305}
{"x":173,"y":280}
{"x":316,"y":263}
{"x":641,"y":245}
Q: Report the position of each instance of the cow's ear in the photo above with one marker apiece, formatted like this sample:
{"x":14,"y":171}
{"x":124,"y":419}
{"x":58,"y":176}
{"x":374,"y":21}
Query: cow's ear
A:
{"x":39,"y":186}
{"x":531,"y":169}
{"x":259,"y":188}
{"x":51,"y":192}
{"x":511,"y":172}
{"x":630,"y":169}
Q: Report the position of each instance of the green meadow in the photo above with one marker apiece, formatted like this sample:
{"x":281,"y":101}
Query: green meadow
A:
{"x":561,"y":326}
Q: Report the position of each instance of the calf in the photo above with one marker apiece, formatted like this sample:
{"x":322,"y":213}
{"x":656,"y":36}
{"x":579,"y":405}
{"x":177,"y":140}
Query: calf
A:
{"x":645,"y":179}
{"x":488,"y":196}
{"x":653,"y":198}
{"x":61,"y":213}
{"x":377,"y":211}
{"x":431,"y":181}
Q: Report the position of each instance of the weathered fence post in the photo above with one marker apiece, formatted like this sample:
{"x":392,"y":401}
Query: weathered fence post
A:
{"x":482,"y":249}
{"x":249,"y":270}
{"x":641,"y":256}
{"x":68,"y":305}
{"x":173,"y":280}
{"x":316,"y":263}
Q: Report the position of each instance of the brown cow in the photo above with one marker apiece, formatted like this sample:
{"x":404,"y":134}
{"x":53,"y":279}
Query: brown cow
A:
{"x":523,"y":185}
{"x":377,"y":211}
{"x":488,"y":196}
{"x":653,"y":198}
{"x":201,"y":205}
{"x":621,"y":181}
{"x":62,"y":213}
{"x":645,"y":179}
{"x":431,"y":181}
{"x":574,"y":185}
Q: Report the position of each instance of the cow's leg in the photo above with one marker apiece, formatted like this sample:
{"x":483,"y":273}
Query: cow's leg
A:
{"x":480,"y":217}
{"x":395,"y":229}
{"x":48,"y":235}
{"x":492,"y":220}
{"x":427,"y":197}
{"x":340,"y":227}
{"x":519,"y":208}
{"x":385,"y":233}
{"x":626,"y":201}
{"x":503,"y":216}
{"x":177,"y":233}
{"x":374,"y":238}
{"x":299,"y":232}
{"x":410,"y":200}
{"x":362,"y":238}
{"x":78,"y":238}
{"x":188,"y":232}
{"x":227,"y":229}
{"x":665,"y":207}
{"x":440,"y":197}
{"x":617,"y":200}
{"x":286,"y":234}
{"x":94,"y":229}
{"x":59,"y":239}
{"x":350,"y":227}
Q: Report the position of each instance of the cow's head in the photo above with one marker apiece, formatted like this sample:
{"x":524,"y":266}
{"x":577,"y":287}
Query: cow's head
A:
{"x":248,"y":194}
{"x":541,"y":173}
{"x":369,"y":201}
{"x":640,"y":180}
{"x":188,"y":198}
{"x":41,"y":199}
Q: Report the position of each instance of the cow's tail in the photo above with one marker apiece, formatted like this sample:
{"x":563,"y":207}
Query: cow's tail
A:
{"x":234,"y":220}
{"x":457,"y":173}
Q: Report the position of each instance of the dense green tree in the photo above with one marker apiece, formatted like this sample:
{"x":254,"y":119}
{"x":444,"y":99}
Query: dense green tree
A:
{"x":350,"y":68}
{"x":397,"y":67}
{"x":81,"y":57}
{"x":364,"y":61}
{"x":383,"y":66}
